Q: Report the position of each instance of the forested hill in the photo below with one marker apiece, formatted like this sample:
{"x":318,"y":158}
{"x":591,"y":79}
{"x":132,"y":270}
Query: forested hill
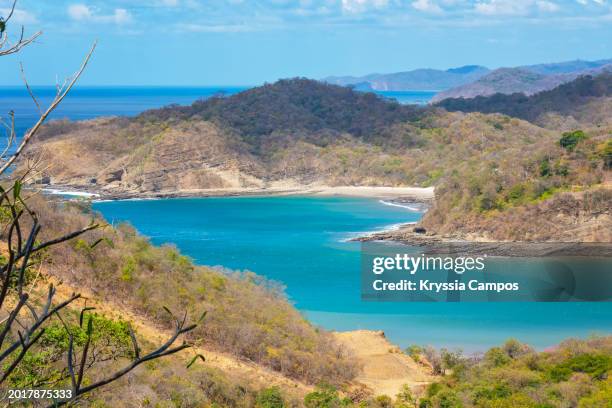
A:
{"x":567,"y":99}
{"x":296,"y":105}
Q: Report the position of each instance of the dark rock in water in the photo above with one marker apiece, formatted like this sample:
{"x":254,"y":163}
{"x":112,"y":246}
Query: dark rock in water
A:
{"x":420,"y":230}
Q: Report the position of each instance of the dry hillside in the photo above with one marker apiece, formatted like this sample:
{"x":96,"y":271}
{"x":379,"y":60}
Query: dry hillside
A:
{"x":496,"y":176}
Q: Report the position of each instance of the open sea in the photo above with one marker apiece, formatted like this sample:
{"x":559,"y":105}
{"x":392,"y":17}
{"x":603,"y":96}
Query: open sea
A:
{"x":303,"y":243}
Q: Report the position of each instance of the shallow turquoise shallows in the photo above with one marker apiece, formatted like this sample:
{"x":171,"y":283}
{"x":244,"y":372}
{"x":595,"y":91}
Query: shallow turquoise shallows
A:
{"x":303,"y":243}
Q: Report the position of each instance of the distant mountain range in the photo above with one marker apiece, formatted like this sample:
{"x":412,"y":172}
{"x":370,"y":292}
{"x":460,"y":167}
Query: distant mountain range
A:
{"x":587,"y":100}
{"x":527,"y":80}
{"x":416,"y":80}
{"x":473,"y":80}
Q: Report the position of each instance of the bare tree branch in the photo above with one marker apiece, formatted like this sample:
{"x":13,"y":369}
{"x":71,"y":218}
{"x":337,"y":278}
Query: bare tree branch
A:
{"x":58,"y":99}
{"x":27,"y":85}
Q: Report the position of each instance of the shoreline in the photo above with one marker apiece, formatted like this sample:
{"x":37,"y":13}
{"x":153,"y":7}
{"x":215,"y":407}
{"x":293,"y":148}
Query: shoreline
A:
{"x":416,"y":199}
{"x":390,"y":194}
{"x":458,"y":246}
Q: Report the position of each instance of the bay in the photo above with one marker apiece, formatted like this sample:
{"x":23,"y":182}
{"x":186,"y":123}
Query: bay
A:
{"x":304,"y":243}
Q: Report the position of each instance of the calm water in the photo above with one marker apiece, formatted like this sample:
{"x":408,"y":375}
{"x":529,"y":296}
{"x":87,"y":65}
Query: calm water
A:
{"x":301,"y":241}
{"x":91,"y":102}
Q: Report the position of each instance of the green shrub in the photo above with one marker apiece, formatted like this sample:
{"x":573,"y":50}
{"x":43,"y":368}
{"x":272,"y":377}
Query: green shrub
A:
{"x":405,"y":398}
{"x":383,"y":401}
{"x":433,"y":389}
{"x":270,"y":398}
{"x":447,"y":399}
{"x":110,"y":340}
{"x":596,"y":365}
{"x":414,"y":351}
{"x":600,"y":399}
{"x":516,"y":194}
{"x":496,"y":391}
{"x":128,"y":269}
{"x":545,"y":170}
{"x":325,"y":396}
{"x":425,"y":403}
{"x":605,"y":152}
{"x":569,"y":140}
{"x":496,"y":357}
{"x":515,"y":376}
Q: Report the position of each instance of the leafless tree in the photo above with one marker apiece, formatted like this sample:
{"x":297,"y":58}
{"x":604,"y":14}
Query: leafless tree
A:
{"x":22,"y":319}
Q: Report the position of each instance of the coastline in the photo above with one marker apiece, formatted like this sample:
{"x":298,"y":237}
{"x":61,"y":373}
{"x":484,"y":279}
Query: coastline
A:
{"x":411,"y":198}
{"x":474,"y":246}
{"x":391,"y":194}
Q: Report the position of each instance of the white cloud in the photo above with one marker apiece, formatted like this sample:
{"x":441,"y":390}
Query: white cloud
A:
{"x":426,"y":5}
{"x":19,"y":16}
{"x":121,"y":16}
{"x":83,"y":12}
{"x":79,"y":12}
{"x":503,"y":7}
{"x":547,"y":6}
{"x":357,"y":6}
{"x":515,"y":7}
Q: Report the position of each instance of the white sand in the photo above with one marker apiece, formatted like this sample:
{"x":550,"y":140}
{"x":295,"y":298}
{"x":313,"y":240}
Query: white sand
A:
{"x":278,"y":189}
{"x":378,"y":192}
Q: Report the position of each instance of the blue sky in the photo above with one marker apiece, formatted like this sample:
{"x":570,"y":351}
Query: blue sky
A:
{"x":248,"y":42}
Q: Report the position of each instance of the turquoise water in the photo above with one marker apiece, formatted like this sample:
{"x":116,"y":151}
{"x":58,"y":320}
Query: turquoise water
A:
{"x":91,"y":102}
{"x":302,"y":242}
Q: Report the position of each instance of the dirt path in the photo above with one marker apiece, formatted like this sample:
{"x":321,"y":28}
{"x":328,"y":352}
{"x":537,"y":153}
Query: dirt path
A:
{"x":385,"y":368}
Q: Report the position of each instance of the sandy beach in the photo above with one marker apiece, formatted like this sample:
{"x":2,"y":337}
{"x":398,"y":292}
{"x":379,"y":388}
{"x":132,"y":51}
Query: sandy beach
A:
{"x":417,"y":193}
{"x":407,"y":193}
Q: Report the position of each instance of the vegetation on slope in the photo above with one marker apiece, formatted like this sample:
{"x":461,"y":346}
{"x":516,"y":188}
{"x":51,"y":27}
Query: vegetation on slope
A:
{"x":574,"y":374}
{"x":246,"y":315}
{"x":556,"y":191}
{"x":170,"y":382}
{"x":273,"y":133}
{"x":566,"y":99}
{"x":296,"y":105}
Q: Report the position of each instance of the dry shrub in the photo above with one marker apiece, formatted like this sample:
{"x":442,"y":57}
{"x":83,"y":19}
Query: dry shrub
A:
{"x":248,"y":316}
